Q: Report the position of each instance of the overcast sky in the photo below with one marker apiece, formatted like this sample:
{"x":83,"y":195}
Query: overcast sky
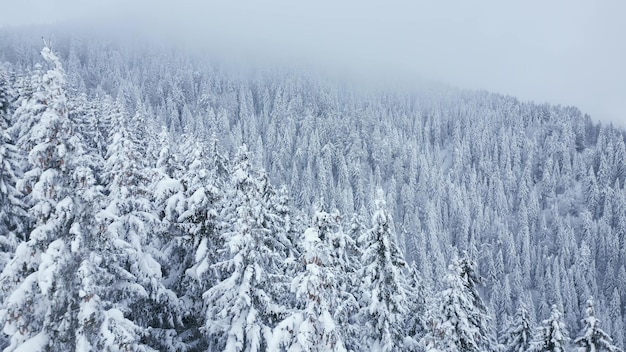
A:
{"x":563,"y":52}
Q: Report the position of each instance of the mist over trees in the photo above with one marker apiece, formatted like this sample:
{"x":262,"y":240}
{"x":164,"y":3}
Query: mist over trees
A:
{"x":155,"y":200}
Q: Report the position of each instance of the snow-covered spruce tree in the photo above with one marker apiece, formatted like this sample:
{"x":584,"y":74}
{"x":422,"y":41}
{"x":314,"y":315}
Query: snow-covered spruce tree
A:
{"x":345,"y":258}
{"x":552,"y":335}
{"x":191,"y":221}
{"x":240,"y":310}
{"x":36,"y":285}
{"x":592,"y":338}
{"x":143,"y":299}
{"x":415,"y":318}
{"x":289,"y":219}
{"x":382,"y":284}
{"x":167,"y":162}
{"x":91,"y":118}
{"x":29,"y":106}
{"x":615,"y":316}
{"x":460,"y":321}
{"x":168,"y":197}
{"x":518,"y":335}
{"x":311,"y":326}
{"x":102,"y":277}
{"x":104,"y":284}
{"x":218,"y":162}
{"x":13,"y":217}
{"x":198,"y":219}
{"x":276,"y":217}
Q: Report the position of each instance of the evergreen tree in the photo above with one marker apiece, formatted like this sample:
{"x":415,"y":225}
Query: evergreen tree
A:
{"x":311,"y":326}
{"x":615,"y":315}
{"x":194,"y":248}
{"x":92,"y":123}
{"x":36,"y":284}
{"x":518,"y":336}
{"x":460,"y":323}
{"x":592,"y":338}
{"x":382,"y":284}
{"x":552,"y":334}
{"x":167,"y":162}
{"x":147,"y":302}
{"x":13,"y":217}
{"x":102,"y":259}
{"x":345,"y":263}
{"x":415,"y":317}
{"x":240,"y":310}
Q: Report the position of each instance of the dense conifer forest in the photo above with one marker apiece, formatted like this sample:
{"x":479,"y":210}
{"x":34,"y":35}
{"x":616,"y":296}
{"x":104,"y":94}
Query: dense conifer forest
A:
{"x":153,"y":199}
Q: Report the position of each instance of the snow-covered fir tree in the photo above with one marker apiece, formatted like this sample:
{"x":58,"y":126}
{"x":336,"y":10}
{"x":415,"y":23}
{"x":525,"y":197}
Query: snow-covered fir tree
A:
{"x":382,"y":284}
{"x":13,"y":217}
{"x":102,"y":277}
{"x":345,"y":260}
{"x":37,"y":283}
{"x":129,"y":217}
{"x":415,"y":319}
{"x":193,"y":223}
{"x":311,"y":326}
{"x":592,"y":338}
{"x":519,"y":334}
{"x":240,"y":308}
{"x":460,"y":322}
{"x":552,"y":335}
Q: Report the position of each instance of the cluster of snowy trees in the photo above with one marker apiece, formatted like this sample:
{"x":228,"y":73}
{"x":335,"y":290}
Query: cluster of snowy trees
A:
{"x":113,"y":236}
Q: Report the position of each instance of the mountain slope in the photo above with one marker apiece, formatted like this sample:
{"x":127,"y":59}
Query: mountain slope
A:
{"x":534,"y":194}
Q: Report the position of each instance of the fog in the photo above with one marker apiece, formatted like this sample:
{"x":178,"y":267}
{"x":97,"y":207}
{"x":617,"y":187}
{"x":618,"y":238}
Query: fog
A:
{"x":561,"y":52}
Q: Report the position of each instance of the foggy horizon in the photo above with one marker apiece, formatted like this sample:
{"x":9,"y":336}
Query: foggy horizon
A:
{"x":563,"y":53}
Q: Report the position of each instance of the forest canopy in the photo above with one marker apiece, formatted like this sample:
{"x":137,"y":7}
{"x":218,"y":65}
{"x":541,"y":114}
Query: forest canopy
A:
{"x":152,"y":200}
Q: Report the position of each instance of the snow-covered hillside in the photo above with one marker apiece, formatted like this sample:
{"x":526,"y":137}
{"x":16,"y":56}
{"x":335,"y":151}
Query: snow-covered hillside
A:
{"x":151,"y":199}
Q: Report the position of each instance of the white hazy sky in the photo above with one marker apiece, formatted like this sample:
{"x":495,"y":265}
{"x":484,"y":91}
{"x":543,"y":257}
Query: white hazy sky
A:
{"x":562,"y":52}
